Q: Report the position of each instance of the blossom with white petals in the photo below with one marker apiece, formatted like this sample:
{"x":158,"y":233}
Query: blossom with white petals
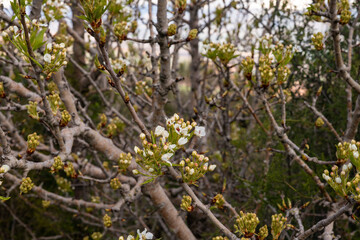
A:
{"x":137,"y":149}
{"x":191,"y":171}
{"x":159,"y":131}
{"x":5,"y":168}
{"x":144,"y":235}
{"x":165,"y":134}
{"x":177,"y":128}
{"x":47,"y":58}
{"x":199,"y":131}
{"x":169,"y":121}
{"x":49,"y":46}
{"x":130,"y":237}
{"x":172,"y":147}
{"x":166,"y":157}
{"x":353,"y":147}
{"x":356,"y":154}
{"x":338,"y":180}
{"x":212,"y":167}
{"x":182,"y":141}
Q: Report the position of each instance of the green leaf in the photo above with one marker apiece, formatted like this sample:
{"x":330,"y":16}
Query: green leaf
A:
{"x":39,"y":40}
{"x":4,"y":198}
{"x":148,"y":181}
{"x":83,"y":18}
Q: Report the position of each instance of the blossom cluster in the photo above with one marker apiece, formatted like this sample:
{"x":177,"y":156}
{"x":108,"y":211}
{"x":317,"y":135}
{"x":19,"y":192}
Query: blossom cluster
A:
{"x":121,"y":29}
{"x":220,"y":238}
{"x":267,"y":73}
{"x":54,"y":9}
{"x":119,"y":65}
{"x":349,"y":151}
{"x":115,"y":183}
{"x":247,"y":66}
{"x":219,"y":201}
{"x":32,"y":142}
{"x":54,"y":58}
{"x":124,"y":161}
{"x":165,"y":142}
{"x":340,"y":179}
{"x":278,"y":224}
{"x":186,"y":203}
{"x":246,"y":224}
{"x":32,"y":110}
{"x":273,"y":61}
{"x":57,"y":165}
{"x":113,"y":128}
{"x":317,"y":40}
{"x":224,"y":52}
{"x":144,"y":235}
{"x":338,"y":182}
{"x":107,"y":221}
{"x":345,"y":14}
{"x":144,"y":86}
{"x":64,"y":185}
{"x":195,"y":168}
{"x":26,"y":185}
{"x":54,"y":101}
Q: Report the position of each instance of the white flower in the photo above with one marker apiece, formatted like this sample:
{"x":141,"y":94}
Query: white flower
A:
{"x":184,"y":131}
{"x":177,"y":128}
{"x":159,"y":130}
{"x":338,"y":180}
{"x":327,"y":178}
{"x":166,"y":157}
{"x":353,"y":147}
{"x":135,"y":172}
{"x":16,"y":29}
{"x":62,"y":45}
{"x":165,"y":134}
{"x":349,"y":166}
{"x":172,"y":147}
{"x":144,"y":234}
{"x":47,"y":58}
{"x":49,"y":46}
{"x":150,"y":153}
{"x":199,"y":131}
{"x":356,"y":154}
{"x":169,"y":121}
{"x":191,"y":171}
{"x":151,"y":170}
{"x":324,"y":176}
{"x":212,"y":167}
{"x":137,"y":149}
{"x":5,"y":168}
{"x":130,"y":237}
{"x":344,"y":168}
{"x":182,"y":141}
